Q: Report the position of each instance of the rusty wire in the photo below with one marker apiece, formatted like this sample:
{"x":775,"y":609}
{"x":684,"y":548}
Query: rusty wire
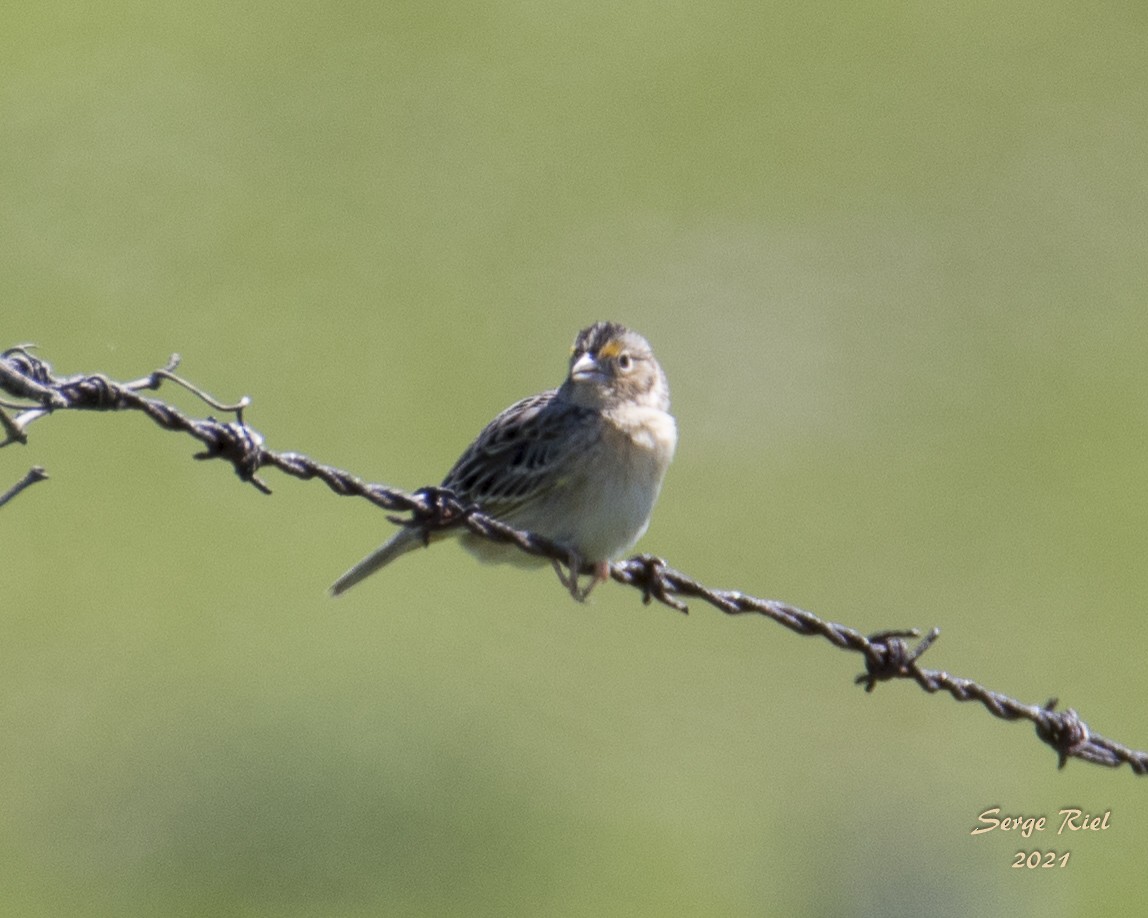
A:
{"x":887,"y":654}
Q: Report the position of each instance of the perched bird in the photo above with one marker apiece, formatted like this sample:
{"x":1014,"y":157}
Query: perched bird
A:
{"x":581,"y":465}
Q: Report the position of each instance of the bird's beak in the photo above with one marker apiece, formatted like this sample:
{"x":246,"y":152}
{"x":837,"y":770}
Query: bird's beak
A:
{"x":587,"y":369}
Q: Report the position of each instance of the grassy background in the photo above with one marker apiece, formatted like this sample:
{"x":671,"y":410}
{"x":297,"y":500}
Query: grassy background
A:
{"x":892,"y":258}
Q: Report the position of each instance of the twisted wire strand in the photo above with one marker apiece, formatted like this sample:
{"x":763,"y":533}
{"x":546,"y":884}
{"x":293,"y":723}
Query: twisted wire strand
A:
{"x":887,"y":654}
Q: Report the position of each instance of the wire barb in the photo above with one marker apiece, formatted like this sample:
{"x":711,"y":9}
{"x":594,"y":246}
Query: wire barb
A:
{"x":33,"y":475}
{"x":653,"y":577}
{"x":887,"y":654}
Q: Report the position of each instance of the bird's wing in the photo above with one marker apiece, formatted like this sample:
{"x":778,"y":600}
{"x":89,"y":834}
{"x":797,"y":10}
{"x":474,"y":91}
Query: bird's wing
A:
{"x":521,"y":453}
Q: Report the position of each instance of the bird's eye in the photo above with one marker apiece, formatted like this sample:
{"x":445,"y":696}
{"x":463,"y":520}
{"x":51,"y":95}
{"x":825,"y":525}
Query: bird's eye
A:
{"x":625,"y":361}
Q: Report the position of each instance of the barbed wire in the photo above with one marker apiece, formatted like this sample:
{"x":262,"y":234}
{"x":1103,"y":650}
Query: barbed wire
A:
{"x":39,"y":392}
{"x":34,"y":474}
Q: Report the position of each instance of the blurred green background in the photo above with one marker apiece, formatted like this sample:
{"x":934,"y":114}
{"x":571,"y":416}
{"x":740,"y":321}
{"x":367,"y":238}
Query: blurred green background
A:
{"x":892,"y":257}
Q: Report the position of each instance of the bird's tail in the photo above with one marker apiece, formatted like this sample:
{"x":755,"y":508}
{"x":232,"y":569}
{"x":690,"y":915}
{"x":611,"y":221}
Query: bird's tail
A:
{"x":399,"y":544}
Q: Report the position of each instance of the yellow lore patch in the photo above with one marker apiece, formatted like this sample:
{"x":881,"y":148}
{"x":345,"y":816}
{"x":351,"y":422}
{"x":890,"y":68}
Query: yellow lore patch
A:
{"x":610,"y":349}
